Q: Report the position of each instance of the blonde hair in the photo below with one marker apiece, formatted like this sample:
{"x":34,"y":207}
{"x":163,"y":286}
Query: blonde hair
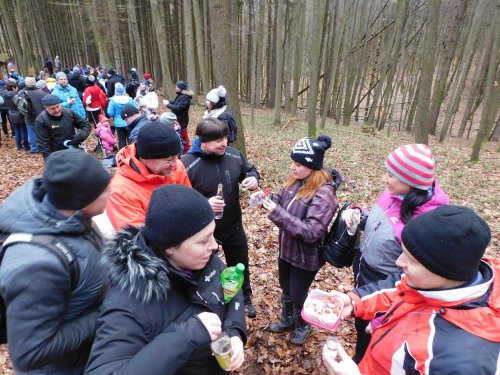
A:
{"x":316,"y":179}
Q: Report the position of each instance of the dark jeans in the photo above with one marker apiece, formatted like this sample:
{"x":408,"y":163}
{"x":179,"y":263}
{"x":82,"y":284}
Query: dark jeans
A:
{"x":295,"y":282}
{"x":21,"y":137}
{"x":4,"y":114}
{"x":122,"y":136}
{"x":235,"y":245}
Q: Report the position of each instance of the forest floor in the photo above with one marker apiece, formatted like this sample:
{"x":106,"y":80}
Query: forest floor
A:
{"x":360,"y":158}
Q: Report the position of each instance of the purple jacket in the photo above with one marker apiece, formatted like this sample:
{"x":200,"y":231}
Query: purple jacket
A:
{"x":302,"y":224}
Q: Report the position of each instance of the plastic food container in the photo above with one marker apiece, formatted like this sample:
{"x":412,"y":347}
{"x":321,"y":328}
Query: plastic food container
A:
{"x":322,"y":309}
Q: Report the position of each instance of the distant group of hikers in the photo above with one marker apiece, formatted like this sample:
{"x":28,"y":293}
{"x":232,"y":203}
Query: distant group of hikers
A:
{"x":147,"y":296}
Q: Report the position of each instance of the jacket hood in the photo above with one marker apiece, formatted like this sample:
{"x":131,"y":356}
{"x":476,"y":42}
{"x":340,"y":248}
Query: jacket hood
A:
{"x":134,"y":268}
{"x":25,"y":210}
{"x":187,"y":92}
{"x":130,"y":167}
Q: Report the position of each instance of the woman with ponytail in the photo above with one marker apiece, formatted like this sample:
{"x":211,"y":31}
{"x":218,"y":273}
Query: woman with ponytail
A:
{"x":411,"y":191}
{"x":302,"y":210}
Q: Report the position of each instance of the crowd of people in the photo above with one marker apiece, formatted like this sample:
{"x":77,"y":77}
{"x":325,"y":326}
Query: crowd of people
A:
{"x":147,"y":297}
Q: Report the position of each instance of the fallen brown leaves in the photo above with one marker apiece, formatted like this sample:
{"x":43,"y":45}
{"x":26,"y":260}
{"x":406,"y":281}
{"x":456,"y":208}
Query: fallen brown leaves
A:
{"x":360,"y":159}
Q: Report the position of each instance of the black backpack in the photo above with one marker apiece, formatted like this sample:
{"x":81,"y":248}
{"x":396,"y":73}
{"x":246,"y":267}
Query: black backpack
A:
{"x":48,"y":241}
{"x":24,"y":105}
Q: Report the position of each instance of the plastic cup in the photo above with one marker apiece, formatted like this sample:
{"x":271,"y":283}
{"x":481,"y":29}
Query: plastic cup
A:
{"x":222,"y":351}
{"x":332,"y":345}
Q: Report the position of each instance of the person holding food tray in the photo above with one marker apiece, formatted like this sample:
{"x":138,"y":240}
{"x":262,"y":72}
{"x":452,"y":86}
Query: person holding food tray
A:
{"x":411,"y":190}
{"x":302,"y":210}
{"x":442,"y":314}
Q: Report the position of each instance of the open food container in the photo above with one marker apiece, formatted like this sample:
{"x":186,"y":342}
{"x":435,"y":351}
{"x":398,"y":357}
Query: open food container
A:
{"x":322,"y":309}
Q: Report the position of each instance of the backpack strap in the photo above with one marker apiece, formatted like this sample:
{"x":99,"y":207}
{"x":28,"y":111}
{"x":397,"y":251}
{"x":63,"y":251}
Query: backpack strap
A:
{"x":50,"y":242}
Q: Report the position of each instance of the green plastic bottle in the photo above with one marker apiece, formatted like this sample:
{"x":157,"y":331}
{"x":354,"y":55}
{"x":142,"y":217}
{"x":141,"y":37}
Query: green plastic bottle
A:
{"x":232,"y":280}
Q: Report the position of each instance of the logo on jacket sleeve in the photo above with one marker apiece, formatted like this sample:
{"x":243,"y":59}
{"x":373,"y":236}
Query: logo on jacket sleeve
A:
{"x":209,"y":276}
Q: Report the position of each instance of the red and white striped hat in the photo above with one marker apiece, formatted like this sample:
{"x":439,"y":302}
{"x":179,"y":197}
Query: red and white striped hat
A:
{"x":412,"y":164}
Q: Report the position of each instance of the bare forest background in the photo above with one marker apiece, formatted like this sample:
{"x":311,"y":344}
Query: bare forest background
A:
{"x":430,"y":67}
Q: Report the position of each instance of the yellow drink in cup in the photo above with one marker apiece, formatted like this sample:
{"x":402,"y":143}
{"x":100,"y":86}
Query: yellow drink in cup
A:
{"x":222,"y":351}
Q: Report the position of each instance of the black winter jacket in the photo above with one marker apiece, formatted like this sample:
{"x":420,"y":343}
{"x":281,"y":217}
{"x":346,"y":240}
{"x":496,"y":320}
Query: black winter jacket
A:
{"x":206,"y":171}
{"x":78,"y":82}
{"x":15,"y":117}
{"x":149,"y":319}
{"x":180,"y":107}
{"x":52,"y":131}
{"x":50,"y":326}
{"x":110,"y":85}
{"x":35,"y":95}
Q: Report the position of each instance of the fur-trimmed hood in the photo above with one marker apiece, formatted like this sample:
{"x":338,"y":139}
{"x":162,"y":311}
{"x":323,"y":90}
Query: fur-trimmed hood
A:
{"x":135,"y":268}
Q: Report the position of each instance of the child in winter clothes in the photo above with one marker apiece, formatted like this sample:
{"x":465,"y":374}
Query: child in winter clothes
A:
{"x":103,"y":131}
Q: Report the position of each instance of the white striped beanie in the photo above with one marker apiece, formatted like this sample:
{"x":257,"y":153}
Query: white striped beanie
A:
{"x":412,"y":164}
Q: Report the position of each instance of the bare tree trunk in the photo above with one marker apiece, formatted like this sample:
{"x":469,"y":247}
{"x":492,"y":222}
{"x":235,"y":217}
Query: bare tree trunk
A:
{"x":168,"y":85}
{"x":314,"y":66}
{"x":223,"y":63}
{"x":200,"y":50}
{"x":492,"y":95}
{"x":449,"y":43}
{"x":259,"y":61}
{"x":299,"y":16}
{"x":428,"y":58}
{"x":190,"y":58}
{"x":279,"y":61}
{"x":103,"y":51}
{"x":469,"y":52}
{"x":137,"y":38}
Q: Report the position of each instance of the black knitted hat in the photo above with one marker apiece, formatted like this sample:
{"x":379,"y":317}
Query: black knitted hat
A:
{"x":449,"y":241}
{"x":182,"y":85}
{"x":129,"y":110}
{"x":175,"y":213}
{"x":157,"y":140}
{"x":311,"y":151}
{"x":73,"y":179}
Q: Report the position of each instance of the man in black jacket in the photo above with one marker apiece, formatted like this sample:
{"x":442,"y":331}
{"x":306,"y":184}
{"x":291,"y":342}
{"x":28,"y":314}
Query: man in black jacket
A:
{"x":211,"y":162}
{"x":180,"y":107}
{"x":56,"y":125}
{"x":35,"y":96}
{"x":77,"y":81}
{"x":110,"y":83}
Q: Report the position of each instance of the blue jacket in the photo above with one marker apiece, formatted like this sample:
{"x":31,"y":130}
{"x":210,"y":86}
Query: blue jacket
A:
{"x":50,"y":326}
{"x":64,"y":93}
{"x":115,"y":105}
{"x":149,"y":319}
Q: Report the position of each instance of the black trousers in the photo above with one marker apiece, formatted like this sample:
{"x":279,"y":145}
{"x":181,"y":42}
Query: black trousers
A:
{"x":4,"y":114}
{"x":295,"y":282}
{"x":93,"y":117}
{"x":235,"y":246}
{"x":363,"y":275}
{"x":122,"y":136}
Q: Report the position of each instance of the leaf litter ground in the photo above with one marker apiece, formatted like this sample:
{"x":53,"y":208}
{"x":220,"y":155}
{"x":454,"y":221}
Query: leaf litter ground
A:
{"x":360,"y":158}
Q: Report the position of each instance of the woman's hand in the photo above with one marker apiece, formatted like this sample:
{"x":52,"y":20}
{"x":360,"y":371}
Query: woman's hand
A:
{"x":269,"y":205}
{"x":250,"y":183}
{"x":212,"y":323}
{"x":238,"y":355}
{"x":346,"y":366}
{"x":347,"y":216}
{"x":347,"y":310}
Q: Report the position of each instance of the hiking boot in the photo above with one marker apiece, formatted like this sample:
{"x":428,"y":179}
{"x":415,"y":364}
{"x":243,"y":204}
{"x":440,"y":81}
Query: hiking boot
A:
{"x":250,"y":310}
{"x":286,"y":322}
{"x":302,"y":329}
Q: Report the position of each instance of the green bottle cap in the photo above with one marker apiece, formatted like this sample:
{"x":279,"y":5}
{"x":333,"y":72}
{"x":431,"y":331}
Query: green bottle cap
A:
{"x":240,"y":268}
